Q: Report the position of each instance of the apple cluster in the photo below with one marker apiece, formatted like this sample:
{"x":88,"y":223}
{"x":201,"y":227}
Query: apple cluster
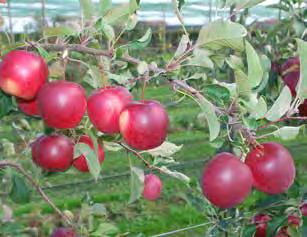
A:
{"x":293,"y":221}
{"x":227,"y":181}
{"x":62,"y":105}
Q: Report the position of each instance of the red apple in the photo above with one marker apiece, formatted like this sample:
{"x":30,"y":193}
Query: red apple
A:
{"x":144,"y":124}
{"x":226,"y":181}
{"x":22,"y":74}
{"x":62,"y":104}
{"x":63,"y":232}
{"x":260,"y":220}
{"x":34,"y":149}
{"x":80,"y":162}
{"x":28,"y":107}
{"x":53,"y":153}
{"x":303,"y":209}
{"x":291,"y":80}
{"x":272,"y":167}
{"x":152,"y":187}
{"x":294,"y":220}
{"x":104,"y":107}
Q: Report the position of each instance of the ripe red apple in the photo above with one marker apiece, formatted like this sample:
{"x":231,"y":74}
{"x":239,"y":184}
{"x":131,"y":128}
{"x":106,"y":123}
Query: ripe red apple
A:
{"x":22,"y":74}
{"x":294,"y":220}
{"x":80,"y":162}
{"x":63,"y":232}
{"x":272,"y":167}
{"x":104,"y":107}
{"x":62,"y":104}
{"x":303,"y":209}
{"x":152,"y":187}
{"x":144,"y":124}
{"x":28,"y":107}
{"x":226,"y":181}
{"x":53,"y":153}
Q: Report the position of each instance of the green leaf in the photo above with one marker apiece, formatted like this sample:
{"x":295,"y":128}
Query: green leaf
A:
{"x":201,"y":58}
{"x":301,"y":87}
{"x":255,"y":72}
{"x":223,"y":34}
{"x":136,"y":183}
{"x":180,"y":3}
{"x":212,"y":119}
{"x":167,"y":149}
{"x":220,"y":94}
{"x":287,"y":132}
{"x":140,"y":43}
{"x":235,"y":62}
{"x":87,"y":8}
{"x":58,"y":31}
{"x":104,"y":6}
{"x":99,"y":209}
{"x":249,"y":231}
{"x":121,"y":79}
{"x":132,"y":21}
{"x":91,"y":157}
{"x":6,"y":104}
{"x":183,"y":45}
{"x":107,"y":31}
{"x":20,"y":193}
{"x":243,"y":87}
{"x":176,"y":174}
{"x":121,"y":13}
{"x":105,"y":230}
{"x":94,"y":77}
{"x":281,"y":105}
{"x":258,"y":110}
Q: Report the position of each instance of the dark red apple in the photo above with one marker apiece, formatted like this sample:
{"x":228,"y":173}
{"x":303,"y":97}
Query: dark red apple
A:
{"x":53,"y":153}
{"x":63,"y":232}
{"x":28,"y":107}
{"x":272,"y":167}
{"x":294,"y":220}
{"x":292,"y":64}
{"x":152,"y":187}
{"x":291,"y":80}
{"x":144,"y":124}
{"x":104,"y":107}
{"x":226,"y":181}
{"x":260,"y":220}
{"x":62,"y":104}
{"x":22,"y":74}
{"x":303,"y":209}
{"x":80,"y":162}
{"x":34,"y":149}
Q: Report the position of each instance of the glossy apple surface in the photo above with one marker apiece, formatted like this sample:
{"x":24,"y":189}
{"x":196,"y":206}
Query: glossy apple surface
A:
{"x":104,"y":107}
{"x":80,"y":162}
{"x":260,"y":220}
{"x":62,"y":104}
{"x":272,"y":167}
{"x":22,"y":74}
{"x":28,"y":107}
{"x":34,"y":149}
{"x":303,"y":209}
{"x":226,"y":181}
{"x":144,"y":124}
{"x":53,"y":153}
{"x":152,"y":187}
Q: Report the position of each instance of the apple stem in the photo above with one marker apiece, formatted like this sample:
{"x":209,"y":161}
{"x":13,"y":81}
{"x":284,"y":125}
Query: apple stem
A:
{"x":20,"y":169}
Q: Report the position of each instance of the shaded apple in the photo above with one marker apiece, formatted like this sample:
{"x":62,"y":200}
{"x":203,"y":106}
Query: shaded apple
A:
{"x":226,"y":181}
{"x":272,"y":167}
{"x":53,"y":153}
{"x":28,"y":107}
{"x":104,"y":107}
{"x":80,"y":162}
{"x":152,"y":187}
{"x":62,"y":104}
{"x":22,"y":74}
{"x":144,"y":124}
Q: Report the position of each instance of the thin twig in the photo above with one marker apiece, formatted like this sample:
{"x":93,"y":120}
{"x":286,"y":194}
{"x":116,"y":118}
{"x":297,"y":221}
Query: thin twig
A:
{"x":6,"y":163}
{"x":281,"y":120}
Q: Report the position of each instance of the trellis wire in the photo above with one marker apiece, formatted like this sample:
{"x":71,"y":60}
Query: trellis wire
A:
{"x":181,"y":230}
